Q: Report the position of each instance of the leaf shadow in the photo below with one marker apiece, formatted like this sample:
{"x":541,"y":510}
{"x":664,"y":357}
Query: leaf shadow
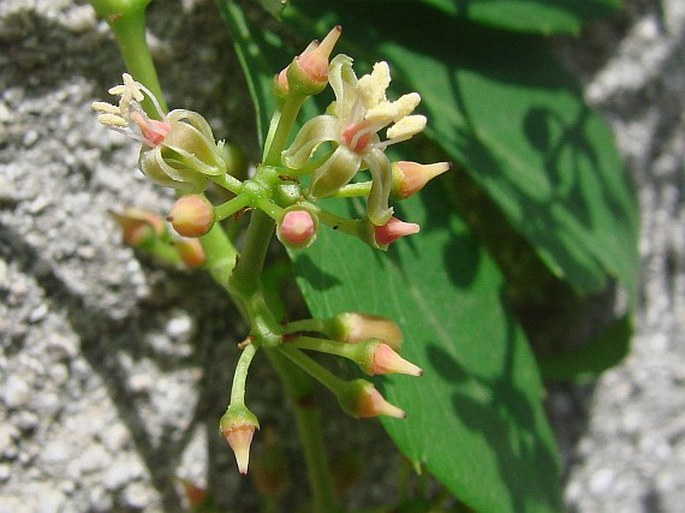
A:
{"x":497,"y":408}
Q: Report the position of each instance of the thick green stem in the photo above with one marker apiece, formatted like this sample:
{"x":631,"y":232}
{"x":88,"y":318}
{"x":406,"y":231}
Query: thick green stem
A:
{"x":299,"y":388}
{"x":245,"y":283}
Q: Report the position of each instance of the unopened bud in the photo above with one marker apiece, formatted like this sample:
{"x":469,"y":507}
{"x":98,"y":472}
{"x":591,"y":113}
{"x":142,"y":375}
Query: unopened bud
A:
{"x":192,"y":215}
{"x":139,"y":227}
{"x":360,"y":399}
{"x":191,"y":252}
{"x":393,"y":230}
{"x":354,"y":327}
{"x":308,"y":73}
{"x":280,"y":84}
{"x":237,"y":426}
{"x":410,"y":177}
{"x":298,"y":228}
{"x":378,"y":358}
{"x":199,"y":499}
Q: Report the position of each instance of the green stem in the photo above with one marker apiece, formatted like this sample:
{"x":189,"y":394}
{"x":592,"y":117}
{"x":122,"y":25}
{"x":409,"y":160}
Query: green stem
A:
{"x":323,"y":345}
{"x":228,"y":182}
{"x":278,"y":139}
{"x":304,"y":325}
{"x":127,"y":20}
{"x":318,"y":372}
{"x":220,"y":254}
{"x":354,"y":190}
{"x":229,"y":208}
{"x":240,"y":374}
{"x":245,"y":283}
{"x":299,"y":388}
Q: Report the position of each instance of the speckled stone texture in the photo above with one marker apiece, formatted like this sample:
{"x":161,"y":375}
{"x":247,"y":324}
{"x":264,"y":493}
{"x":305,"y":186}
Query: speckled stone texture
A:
{"x":113,"y":372}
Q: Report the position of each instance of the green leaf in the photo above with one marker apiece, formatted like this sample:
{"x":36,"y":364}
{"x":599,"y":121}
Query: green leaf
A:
{"x":544,"y":16}
{"x":475,"y":418}
{"x":589,"y":361}
{"x":258,"y":51}
{"x":503,"y":108}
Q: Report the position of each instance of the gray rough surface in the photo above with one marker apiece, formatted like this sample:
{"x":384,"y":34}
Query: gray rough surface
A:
{"x":631,"y":459}
{"x":112,"y":372}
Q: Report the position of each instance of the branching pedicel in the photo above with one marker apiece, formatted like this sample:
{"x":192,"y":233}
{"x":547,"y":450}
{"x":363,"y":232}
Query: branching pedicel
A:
{"x":179,"y":150}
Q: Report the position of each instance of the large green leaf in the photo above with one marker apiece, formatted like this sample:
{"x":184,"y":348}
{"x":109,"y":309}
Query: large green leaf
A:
{"x":545,"y":16}
{"x":475,"y":418}
{"x":501,"y":106}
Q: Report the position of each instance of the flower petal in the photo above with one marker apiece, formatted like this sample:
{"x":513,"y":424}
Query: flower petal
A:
{"x":337,"y":171}
{"x":381,"y":186}
{"x":317,"y":130}
{"x":343,"y":81}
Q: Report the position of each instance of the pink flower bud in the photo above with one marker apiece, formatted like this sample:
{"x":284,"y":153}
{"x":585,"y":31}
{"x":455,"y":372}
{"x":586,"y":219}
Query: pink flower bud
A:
{"x":237,"y":426}
{"x":280,"y":84}
{"x":393,"y":230}
{"x":308,"y":73}
{"x":360,"y":399}
{"x":297,"y":229}
{"x":139,"y":227}
{"x":192,"y":215}
{"x":354,"y":327}
{"x":410,"y":177}
{"x":196,"y":496}
{"x":386,"y":361}
{"x":191,"y":252}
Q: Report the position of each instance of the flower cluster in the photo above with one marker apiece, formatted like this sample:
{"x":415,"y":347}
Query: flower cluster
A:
{"x":328,"y":157}
{"x":359,"y":112}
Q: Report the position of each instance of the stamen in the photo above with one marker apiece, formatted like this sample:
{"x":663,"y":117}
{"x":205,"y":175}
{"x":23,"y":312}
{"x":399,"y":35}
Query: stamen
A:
{"x":153,"y":99}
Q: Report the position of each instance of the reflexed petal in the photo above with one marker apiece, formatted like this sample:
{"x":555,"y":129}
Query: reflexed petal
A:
{"x":343,"y":81}
{"x":337,"y":171}
{"x":194,"y":119}
{"x":381,"y":187}
{"x":317,"y":130}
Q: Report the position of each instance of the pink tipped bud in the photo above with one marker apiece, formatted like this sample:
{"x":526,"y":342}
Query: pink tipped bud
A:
{"x":192,"y":215}
{"x":386,"y":361}
{"x":354,"y":327}
{"x":308,"y":73}
{"x":191,"y":252}
{"x":393,"y":230}
{"x":410,"y":177}
{"x":237,"y":426}
{"x":280,"y":84}
{"x":360,"y":399}
{"x":297,"y":229}
{"x":139,"y":227}
{"x":196,"y":496}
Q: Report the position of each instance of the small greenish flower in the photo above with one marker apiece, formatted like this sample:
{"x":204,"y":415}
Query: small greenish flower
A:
{"x":351,"y":123}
